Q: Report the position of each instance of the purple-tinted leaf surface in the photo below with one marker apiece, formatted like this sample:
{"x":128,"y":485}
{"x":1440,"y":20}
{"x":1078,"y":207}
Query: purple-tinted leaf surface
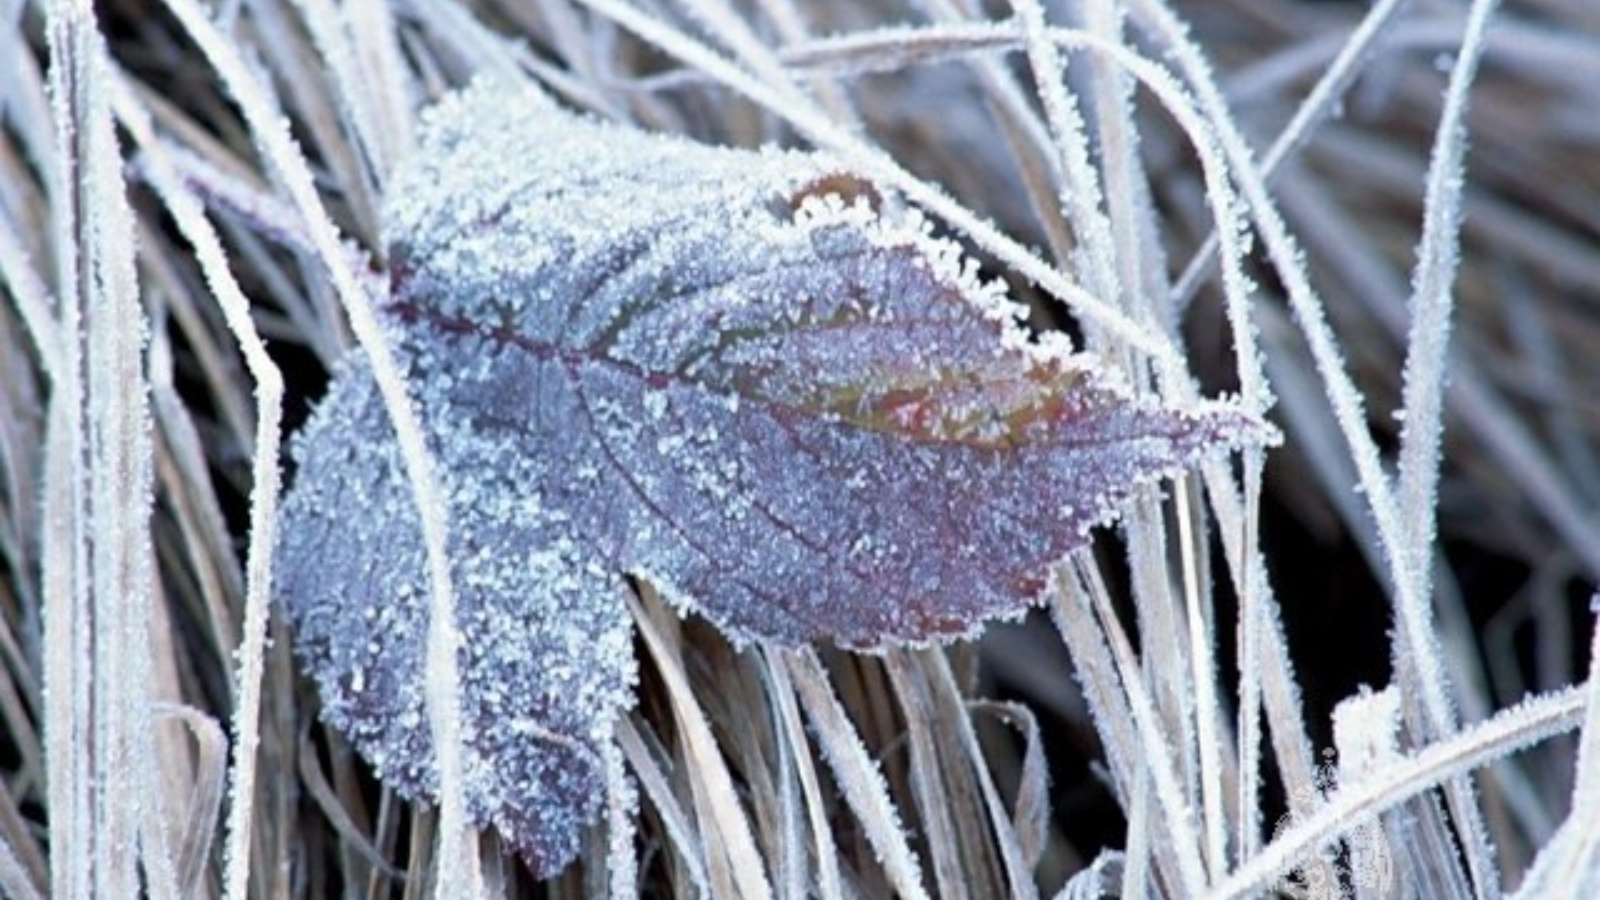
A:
{"x":722,"y":371}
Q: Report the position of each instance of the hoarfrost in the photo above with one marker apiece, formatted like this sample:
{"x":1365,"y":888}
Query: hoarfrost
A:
{"x":721,"y":370}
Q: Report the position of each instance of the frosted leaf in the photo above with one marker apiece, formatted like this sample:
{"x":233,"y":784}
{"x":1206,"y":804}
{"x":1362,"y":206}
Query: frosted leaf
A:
{"x":723,"y":371}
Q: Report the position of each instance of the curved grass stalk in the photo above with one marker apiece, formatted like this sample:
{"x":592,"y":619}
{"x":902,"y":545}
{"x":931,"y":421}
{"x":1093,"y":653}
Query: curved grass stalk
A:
{"x":793,"y":732}
{"x":725,"y":824}
{"x":858,"y":775}
{"x":1432,"y":304}
{"x":1321,"y":103}
{"x":192,"y":223}
{"x":1507,"y":732}
{"x":460,"y":865}
{"x":1083,"y":195}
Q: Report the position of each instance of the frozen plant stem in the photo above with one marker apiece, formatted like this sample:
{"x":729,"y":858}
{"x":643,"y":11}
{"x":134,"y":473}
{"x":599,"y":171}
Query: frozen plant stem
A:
{"x":196,"y":228}
{"x":1417,"y":651}
{"x":268,"y":128}
{"x":1507,"y":732}
{"x":1207,"y":711}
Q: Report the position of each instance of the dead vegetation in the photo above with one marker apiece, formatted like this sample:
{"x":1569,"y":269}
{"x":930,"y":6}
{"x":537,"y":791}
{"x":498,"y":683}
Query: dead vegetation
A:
{"x":189,"y":231}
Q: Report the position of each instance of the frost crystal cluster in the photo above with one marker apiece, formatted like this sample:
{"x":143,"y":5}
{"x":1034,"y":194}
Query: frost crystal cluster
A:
{"x":726,"y":372}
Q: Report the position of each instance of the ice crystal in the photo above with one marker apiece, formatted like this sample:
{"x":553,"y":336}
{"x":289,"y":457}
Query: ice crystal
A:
{"x":727,"y":372}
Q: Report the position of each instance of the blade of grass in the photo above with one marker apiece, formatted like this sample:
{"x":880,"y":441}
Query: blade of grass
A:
{"x":1509,"y":731}
{"x":442,"y":680}
{"x":725,"y":826}
{"x":196,"y":229}
{"x":1320,"y":104}
{"x":858,"y":776}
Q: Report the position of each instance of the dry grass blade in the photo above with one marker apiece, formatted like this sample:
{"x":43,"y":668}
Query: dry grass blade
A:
{"x":826,"y":857}
{"x":735,"y":864}
{"x":1569,"y":865}
{"x":679,"y":829}
{"x":1432,"y":304}
{"x":186,"y":211}
{"x":860,"y":780}
{"x":1511,"y":730}
{"x":200,"y":816}
{"x":1322,"y":102}
{"x":277,"y":146}
{"x":14,"y":878}
{"x":1015,"y":857}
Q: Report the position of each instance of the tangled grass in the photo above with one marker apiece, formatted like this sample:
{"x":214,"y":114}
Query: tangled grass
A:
{"x":1385,"y":219}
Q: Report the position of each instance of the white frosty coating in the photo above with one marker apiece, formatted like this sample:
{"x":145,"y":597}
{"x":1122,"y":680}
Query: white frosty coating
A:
{"x":634,"y":354}
{"x":1366,"y":731}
